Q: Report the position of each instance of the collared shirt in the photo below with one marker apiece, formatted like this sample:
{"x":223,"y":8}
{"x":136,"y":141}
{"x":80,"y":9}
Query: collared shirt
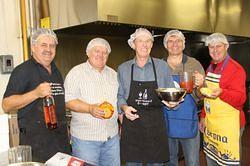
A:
{"x":189,"y":64}
{"x":26,"y":77}
{"x":89,"y":85}
{"x":146,"y":73}
{"x":233,"y":87}
{"x":45,"y":143}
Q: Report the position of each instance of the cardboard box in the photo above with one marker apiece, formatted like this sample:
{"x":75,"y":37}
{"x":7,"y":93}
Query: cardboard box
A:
{"x":13,"y":130}
{"x":62,"y":159}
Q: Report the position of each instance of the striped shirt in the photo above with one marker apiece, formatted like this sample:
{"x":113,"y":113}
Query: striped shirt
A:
{"x":87,"y":84}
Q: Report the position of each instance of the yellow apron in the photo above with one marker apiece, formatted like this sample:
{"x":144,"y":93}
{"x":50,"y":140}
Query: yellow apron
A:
{"x":222,"y":132}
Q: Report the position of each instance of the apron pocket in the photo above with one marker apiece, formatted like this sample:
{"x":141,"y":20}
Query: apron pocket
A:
{"x":182,"y":128}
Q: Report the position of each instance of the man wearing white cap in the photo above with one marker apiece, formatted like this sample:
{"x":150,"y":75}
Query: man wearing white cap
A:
{"x":222,"y":119}
{"x":143,"y":133}
{"x":183,"y":122}
{"x":94,"y":138}
{"x":29,"y":83}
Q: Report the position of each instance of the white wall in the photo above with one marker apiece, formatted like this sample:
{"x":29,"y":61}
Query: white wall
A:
{"x":10,"y":38}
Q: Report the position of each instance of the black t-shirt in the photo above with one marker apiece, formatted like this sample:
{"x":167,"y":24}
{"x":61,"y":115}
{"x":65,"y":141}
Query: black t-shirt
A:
{"x":45,"y":143}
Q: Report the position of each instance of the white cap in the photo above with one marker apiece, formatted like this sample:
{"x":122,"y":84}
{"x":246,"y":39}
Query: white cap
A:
{"x":216,"y":38}
{"x":42,"y":32}
{"x":98,"y":42}
{"x":173,"y":33}
{"x":139,"y":32}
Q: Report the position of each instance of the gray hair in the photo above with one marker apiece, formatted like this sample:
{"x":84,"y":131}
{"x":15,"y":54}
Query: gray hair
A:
{"x":173,"y":33}
{"x":216,"y":38}
{"x":98,"y":42}
{"x":42,"y":31}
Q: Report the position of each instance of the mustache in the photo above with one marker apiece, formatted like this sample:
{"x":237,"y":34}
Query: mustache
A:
{"x":46,"y":52}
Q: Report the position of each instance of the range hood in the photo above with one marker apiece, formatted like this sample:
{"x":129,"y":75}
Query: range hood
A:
{"x":227,"y":16}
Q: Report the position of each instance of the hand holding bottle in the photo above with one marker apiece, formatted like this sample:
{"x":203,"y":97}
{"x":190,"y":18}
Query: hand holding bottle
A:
{"x":43,"y":89}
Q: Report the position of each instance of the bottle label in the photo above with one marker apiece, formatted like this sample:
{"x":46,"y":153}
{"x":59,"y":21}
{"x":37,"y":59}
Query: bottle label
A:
{"x":50,"y":112}
{"x":46,"y":115}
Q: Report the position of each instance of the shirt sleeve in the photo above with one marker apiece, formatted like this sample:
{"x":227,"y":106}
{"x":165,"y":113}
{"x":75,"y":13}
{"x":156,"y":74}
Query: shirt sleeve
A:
{"x":17,"y":83}
{"x":121,"y":100}
{"x":71,"y":86}
{"x":198,"y":67}
{"x":233,"y":88}
{"x":203,"y":113}
{"x":168,"y":78}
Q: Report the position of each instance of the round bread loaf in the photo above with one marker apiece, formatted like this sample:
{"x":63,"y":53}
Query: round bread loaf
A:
{"x":108,"y":109}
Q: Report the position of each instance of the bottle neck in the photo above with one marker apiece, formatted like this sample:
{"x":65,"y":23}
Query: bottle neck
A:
{"x":48,"y":101}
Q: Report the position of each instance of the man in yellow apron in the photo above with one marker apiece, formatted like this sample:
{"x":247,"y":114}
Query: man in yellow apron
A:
{"x":225,"y":95}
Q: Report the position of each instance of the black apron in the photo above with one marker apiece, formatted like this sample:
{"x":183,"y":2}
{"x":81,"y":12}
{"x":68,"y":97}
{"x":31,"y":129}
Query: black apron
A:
{"x":144,"y":139}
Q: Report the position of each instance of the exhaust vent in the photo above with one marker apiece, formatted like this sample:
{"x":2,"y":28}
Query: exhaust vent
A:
{"x":229,"y":17}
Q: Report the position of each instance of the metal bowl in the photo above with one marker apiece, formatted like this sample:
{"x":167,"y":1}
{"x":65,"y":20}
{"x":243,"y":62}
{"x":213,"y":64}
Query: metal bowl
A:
{"x":171,"y":94}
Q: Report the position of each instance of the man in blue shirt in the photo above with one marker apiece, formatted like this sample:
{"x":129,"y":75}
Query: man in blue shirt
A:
{"x":143,"y":133}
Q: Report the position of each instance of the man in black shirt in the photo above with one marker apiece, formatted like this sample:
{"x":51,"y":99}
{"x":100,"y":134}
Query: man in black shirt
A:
{"x":29,"y":83}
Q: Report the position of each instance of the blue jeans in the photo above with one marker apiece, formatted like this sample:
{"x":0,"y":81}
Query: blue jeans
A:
{"x":211,"y":162}
{"x":190,"y":147}
{"x":101,"y":153}
{"x":140,"y":164}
